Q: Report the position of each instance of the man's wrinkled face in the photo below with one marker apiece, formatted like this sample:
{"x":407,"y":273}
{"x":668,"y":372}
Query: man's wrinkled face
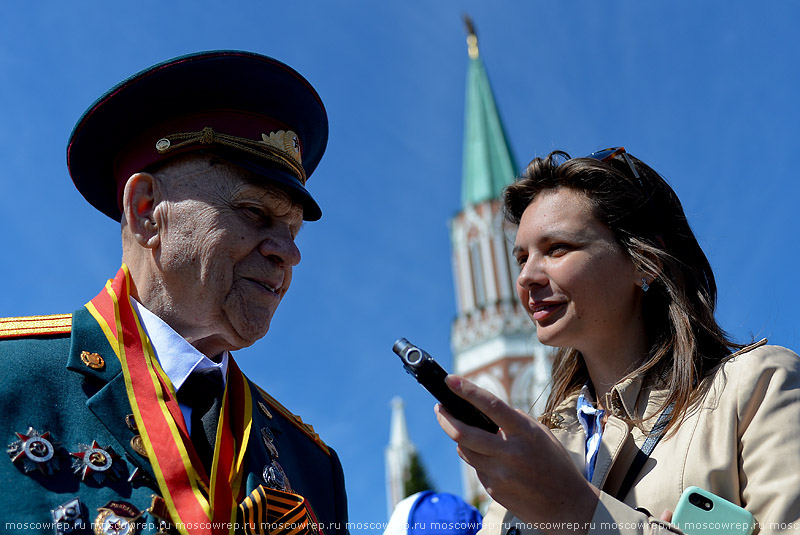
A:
{"x":226,"y":251}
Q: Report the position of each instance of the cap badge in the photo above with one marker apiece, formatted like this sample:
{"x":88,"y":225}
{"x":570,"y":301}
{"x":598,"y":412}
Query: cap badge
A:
{"x":285,"y":141}
{"x":281,"y":147}
{"x":35,"y":451}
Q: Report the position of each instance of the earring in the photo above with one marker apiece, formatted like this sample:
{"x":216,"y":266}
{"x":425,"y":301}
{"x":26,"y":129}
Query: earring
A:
{"x":645,"y":286}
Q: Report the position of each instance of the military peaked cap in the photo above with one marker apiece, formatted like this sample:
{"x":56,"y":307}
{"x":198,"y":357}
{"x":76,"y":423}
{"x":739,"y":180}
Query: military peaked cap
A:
{"x":252,"y":110}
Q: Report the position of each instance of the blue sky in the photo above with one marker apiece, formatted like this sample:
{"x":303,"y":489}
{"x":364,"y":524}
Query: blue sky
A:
{"x":706,"y":93}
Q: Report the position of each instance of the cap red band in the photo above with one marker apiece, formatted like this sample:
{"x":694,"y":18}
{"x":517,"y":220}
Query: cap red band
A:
{"x":141,"y":153}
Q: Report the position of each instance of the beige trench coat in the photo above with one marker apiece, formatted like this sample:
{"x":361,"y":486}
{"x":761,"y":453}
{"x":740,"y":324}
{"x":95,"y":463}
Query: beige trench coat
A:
{"x":742,"y":443}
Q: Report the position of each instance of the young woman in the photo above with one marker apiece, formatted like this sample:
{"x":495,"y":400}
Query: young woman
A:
{"x":649,"y":396}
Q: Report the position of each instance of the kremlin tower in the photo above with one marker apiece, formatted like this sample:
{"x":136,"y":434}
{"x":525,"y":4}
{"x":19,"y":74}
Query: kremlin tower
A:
{"x":493,"y":341}
{"x":397,"y":456}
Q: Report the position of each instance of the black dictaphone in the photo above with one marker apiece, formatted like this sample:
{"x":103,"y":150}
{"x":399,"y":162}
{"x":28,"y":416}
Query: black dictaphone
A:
{"x":430,"y":374}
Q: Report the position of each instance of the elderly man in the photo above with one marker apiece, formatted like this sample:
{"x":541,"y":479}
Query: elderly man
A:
{"x":130,"y":415}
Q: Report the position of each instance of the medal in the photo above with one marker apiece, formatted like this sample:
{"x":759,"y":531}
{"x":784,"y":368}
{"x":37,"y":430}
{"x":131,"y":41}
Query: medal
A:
{"x":68,"y":518}
{"x":269,"y":438}
{"x":35,"y":451}
{"x":275,"y":478}
{"x":98,"y":462}
{"x":138,"y":476}
{"x":264,"y":409}
{"x":158,"y":510}
{"x":138,"y":446}
{"x":130,"y":421}
{"x":116,"y":518}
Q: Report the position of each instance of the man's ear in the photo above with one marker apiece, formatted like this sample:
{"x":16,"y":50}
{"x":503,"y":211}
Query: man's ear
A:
{"x":139,"y":201}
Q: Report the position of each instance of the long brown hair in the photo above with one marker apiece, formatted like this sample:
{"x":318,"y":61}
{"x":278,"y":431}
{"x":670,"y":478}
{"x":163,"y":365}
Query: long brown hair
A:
{"x":647,"y":219}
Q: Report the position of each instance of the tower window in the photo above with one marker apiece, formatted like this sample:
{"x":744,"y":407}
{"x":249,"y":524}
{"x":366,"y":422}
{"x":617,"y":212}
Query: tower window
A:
{"x":477,"y":275}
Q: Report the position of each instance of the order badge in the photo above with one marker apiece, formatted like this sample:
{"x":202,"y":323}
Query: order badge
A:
{"x":116,"y":518}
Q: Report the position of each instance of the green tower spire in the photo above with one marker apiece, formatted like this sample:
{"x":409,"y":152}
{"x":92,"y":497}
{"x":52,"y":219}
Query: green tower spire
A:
{"x":489,"y":163}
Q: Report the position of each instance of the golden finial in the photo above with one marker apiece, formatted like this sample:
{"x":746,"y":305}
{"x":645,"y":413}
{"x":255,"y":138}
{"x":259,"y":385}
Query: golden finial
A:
{"x":472,"y":37}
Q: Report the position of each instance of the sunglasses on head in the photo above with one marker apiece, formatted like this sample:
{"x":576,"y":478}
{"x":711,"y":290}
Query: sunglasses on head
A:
{"x":609,"y":154}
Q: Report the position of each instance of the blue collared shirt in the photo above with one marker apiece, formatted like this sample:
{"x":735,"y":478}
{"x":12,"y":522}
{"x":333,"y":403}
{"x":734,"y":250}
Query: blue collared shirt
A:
{"x":591,"y":419}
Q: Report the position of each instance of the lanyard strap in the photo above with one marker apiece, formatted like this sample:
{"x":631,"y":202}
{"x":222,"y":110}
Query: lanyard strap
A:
{"x":644,"y":453}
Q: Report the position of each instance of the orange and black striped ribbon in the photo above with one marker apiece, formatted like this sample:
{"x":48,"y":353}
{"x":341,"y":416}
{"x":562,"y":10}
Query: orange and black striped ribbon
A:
{"x":274,"y":512}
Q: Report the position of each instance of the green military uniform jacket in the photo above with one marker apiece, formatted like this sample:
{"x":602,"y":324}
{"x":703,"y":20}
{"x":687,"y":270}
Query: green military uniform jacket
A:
{"x":60,"y":376}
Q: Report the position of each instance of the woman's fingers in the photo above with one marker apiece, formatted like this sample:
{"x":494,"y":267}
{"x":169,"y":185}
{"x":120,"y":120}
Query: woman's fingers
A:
{"x":521,"y":452}
{"x":473,"y":438}
{"x":495,"y":408}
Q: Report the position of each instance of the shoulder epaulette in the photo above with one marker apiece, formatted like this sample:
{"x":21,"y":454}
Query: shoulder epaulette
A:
{"x":35,"y":325}
{"x":307,"y":429}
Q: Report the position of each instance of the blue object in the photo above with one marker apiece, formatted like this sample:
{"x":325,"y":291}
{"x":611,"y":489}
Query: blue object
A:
{"x":590,"y":419}
{"x":434,"y":513}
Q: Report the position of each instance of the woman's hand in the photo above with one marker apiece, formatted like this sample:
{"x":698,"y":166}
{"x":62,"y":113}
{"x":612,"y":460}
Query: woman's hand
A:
{"x":523,"y":466}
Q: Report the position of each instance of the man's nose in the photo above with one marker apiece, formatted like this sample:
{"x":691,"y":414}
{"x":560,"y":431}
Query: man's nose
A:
{"x":279,"y":246}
